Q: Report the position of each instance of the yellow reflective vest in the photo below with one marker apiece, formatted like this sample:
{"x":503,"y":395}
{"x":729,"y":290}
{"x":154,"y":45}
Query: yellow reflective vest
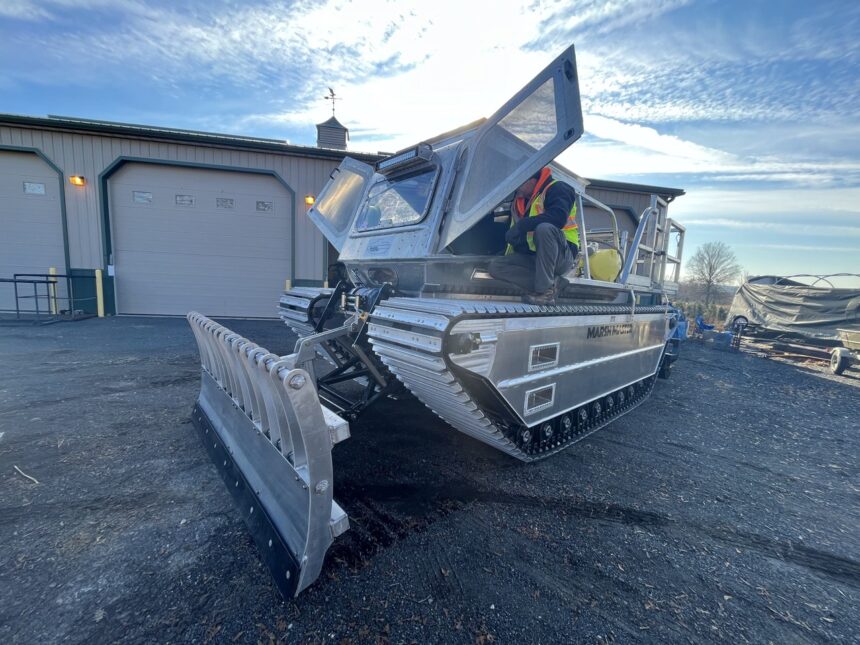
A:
{"x":570,"y":229}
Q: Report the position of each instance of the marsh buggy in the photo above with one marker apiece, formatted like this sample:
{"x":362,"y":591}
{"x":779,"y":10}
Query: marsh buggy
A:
{"x":412,"y":307}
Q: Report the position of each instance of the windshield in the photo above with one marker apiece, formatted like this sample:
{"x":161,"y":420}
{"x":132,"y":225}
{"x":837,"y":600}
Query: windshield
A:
{"x":398,"y":201}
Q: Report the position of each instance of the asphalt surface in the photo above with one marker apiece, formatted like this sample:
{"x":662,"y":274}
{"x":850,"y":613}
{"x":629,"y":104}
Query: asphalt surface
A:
{"x":724,"y":509}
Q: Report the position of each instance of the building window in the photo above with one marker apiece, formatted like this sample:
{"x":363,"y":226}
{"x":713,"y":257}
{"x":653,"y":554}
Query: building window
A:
{"x":141,"y":197}
{"x":224,"y":202}
{"x":185,"y":200}
{"x":265,"y":207}
{"x":34,"y":188}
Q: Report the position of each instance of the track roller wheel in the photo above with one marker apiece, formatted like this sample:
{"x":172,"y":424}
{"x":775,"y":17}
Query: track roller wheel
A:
{"x":546,"y":431}
{"x":566,"y":423}
{"x":609,"y":403}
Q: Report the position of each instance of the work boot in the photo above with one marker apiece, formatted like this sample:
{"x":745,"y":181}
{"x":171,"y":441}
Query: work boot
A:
{"x":540,"y":297}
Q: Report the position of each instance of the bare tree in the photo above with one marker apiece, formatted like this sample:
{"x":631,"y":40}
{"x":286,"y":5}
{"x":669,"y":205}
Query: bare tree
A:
{"x":713,"y":264}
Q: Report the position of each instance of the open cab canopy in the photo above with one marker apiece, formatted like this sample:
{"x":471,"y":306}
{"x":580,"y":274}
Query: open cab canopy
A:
{"x":535,"y":125}
{"x":431,"y":196}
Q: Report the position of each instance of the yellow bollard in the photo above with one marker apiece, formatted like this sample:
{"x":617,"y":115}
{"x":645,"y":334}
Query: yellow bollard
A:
{"x":288,"y":284}
{"x":100,"y":295}
{"x":325,"y":284}
{"x":52,"y":288}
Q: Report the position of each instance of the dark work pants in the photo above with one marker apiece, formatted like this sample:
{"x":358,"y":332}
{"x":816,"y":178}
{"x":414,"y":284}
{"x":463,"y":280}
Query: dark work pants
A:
{"x":536,"y":271}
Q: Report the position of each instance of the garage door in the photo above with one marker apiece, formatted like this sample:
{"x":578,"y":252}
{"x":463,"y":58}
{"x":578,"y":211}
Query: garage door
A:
{"x":209,"y":240}
{"x":31,"y":224}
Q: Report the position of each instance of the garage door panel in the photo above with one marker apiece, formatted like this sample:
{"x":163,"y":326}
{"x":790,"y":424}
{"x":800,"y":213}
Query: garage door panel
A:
{"x":223,"y":261}
{"x":31,"y":225}
{"x":243,"y":243}
{"x":189,"y":221}
{"x":160,"y":265}
{"x":240,"y":244}
{"x":188,"y":216}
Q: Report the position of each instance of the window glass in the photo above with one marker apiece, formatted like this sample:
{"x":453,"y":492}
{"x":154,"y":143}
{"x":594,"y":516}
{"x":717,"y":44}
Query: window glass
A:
{"x":515,"y":139}
{"x":339,"y":202}
{"x":34,"y":188}
{"x":398,"y":201}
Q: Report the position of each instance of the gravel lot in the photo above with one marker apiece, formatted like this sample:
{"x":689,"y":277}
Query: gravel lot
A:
{"x":725,"y":508}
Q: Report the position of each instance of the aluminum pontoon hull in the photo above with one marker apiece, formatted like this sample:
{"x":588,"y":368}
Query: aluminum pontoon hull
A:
{"x":525,"y":379}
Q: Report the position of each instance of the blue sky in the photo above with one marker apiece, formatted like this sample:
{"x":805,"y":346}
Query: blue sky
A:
{"x":751,"y":107}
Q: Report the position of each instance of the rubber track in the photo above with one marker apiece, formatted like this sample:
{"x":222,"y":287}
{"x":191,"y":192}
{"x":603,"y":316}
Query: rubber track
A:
{"x":407,"y":333}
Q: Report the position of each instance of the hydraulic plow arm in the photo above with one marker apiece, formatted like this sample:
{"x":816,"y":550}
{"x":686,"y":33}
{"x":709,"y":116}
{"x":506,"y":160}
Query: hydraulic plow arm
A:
{"x":265,"y":429}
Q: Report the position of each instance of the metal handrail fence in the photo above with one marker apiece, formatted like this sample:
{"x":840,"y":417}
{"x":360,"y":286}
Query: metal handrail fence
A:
{"x":45,"y":304}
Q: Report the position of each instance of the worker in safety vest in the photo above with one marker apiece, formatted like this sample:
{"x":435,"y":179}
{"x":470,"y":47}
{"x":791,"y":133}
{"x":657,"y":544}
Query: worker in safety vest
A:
{"x":543,"y":239}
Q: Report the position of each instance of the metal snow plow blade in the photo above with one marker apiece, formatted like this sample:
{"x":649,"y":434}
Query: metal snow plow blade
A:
{"x":263,"y":425}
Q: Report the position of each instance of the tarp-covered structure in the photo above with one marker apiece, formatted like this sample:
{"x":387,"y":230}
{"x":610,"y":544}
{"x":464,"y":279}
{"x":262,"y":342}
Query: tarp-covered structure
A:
{"x":815,"y":310}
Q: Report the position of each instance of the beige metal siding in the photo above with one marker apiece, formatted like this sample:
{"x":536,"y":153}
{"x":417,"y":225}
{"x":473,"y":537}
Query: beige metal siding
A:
{"x":628,"y":206}
{"x":186,"y":238}
{"x":31,"y":233}
{"x":90,"y":154}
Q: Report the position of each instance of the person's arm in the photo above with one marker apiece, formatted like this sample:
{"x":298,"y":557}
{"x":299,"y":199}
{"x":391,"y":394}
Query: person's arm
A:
{"x":560,"y":198}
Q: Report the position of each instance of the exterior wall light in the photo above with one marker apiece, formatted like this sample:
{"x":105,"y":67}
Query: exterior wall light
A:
{"x":77,"y":180}
{"x":310,"y":200}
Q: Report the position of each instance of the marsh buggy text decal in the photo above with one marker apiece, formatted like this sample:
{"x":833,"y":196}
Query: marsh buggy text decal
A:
{"x":600,"y":331}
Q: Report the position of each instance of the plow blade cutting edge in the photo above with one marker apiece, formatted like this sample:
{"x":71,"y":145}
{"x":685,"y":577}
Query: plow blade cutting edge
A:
{"x":264,"y":427}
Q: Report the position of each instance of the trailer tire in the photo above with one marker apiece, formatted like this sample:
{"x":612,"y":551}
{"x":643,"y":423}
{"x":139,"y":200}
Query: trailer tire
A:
{"x":840,"y":359}
{"x":740,"y":320}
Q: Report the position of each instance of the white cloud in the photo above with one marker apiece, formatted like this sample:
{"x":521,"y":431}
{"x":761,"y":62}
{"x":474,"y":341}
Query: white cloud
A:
{"x":23,"y":10}
{"x":835,"y":204}
{"x":35,"y":10}
{"x":647,"y":138}
{"x":804,"y":247}
{"x":408,"y":70}
{"x":817,"y":230}
{"x":617,"y":149}
{"x":561,"y":19}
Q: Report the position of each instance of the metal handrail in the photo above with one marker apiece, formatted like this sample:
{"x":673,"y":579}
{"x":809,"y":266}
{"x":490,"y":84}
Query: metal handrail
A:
{"x":583,"y":236}
{"x":50,"y":295}
{"x":633,"y":253}
{"x":656,"y":246}
{"x":612,"y":216}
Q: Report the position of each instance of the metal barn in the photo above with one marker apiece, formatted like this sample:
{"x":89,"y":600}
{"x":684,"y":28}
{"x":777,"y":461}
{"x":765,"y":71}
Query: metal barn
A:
{"x":175,"y":219}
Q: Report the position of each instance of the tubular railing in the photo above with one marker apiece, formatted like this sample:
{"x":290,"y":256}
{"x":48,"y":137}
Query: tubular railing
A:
{"x":31,"y":299}
{"x":650,"y":246}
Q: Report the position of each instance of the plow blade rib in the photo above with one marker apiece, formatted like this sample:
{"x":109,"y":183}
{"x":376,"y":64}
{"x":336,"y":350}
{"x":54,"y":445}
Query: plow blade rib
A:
{"x":264,"y":427}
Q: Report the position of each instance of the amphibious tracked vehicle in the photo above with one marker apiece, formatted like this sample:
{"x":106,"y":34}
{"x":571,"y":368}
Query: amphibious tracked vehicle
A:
{"x":411,"y":306}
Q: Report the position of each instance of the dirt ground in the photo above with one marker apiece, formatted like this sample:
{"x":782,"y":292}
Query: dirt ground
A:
{"x":725,"y":509}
